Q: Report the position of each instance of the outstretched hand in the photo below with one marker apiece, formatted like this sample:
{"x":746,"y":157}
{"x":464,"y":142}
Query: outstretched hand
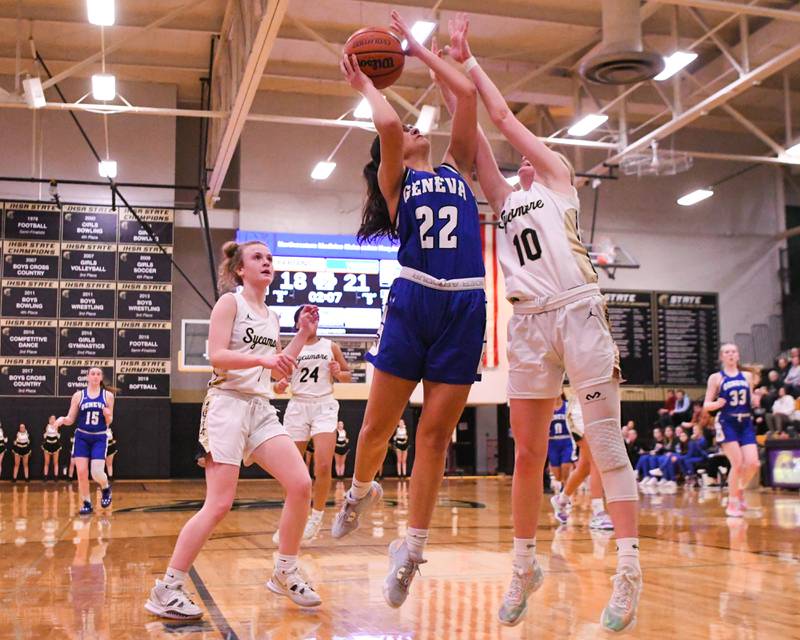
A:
{"x":413,"y":48}
{"x":459,"y":46}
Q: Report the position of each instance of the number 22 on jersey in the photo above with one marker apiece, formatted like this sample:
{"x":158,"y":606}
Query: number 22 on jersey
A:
{"x":446,"y":235}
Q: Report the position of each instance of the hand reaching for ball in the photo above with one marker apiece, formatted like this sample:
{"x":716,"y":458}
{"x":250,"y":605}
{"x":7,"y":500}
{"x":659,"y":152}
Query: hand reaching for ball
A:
{"x":352,"y":72}
{"x":413,"y":48}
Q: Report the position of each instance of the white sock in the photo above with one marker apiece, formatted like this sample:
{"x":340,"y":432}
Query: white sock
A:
{"x":416,"y":539}
{"x":174,"y":576}
{"x":563,"y":498}
{"x":87,"y":499}
{"x":597,"y":506}
{"x":316,"y":516}
{"x":285,"y":563}
{"x":628,"y":553}
{"x":359,"y":489}
{"x":524,"y":553}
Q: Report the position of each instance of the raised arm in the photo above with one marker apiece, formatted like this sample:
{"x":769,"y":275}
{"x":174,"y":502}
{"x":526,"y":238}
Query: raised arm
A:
{"x":463,"y":133}
{"x":493,"y":183}
{"x":553,"y":173}
{"x":389,"y":128}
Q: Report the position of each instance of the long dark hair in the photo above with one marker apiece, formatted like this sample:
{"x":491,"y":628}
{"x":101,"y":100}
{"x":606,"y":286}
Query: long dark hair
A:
{"x":375,"y":219}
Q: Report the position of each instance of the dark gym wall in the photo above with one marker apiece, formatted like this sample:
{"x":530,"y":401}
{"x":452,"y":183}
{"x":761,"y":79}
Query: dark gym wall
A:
{"x":141,"y":427}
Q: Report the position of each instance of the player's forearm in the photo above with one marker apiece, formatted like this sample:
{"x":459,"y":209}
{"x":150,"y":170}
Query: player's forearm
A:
{"x":344,"y":376}
{"x":296,"y":345}
{"x":451,"y":77}
{"x":227,"y":359}
{"x":492,"y":99}
{"x":384,"y":117}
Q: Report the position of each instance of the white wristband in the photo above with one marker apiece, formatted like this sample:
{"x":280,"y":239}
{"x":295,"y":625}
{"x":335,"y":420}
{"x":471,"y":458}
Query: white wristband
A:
{"x":470,"y":63}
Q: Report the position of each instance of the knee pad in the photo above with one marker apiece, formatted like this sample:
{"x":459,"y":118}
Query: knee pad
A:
{"x":98,"y":472}
{"x":601,"y":411}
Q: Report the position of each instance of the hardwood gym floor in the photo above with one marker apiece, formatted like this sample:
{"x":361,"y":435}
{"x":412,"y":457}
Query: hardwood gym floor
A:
{"x":706,"y":576}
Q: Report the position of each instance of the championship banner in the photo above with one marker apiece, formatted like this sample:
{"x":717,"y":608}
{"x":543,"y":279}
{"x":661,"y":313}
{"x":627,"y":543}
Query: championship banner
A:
{"x":143,"y":378}
{"x":72,"y":373}
{"x":31,"y":338}
{"x":84,"y":286}
{"x":27,"y":376}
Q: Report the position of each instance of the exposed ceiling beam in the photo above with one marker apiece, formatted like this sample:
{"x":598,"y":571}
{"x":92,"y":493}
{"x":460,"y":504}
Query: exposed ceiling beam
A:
{"x":721,"y":97}
{"x":738,"y":9}
{"x":224,"y":142}
{"x":120,"y":43}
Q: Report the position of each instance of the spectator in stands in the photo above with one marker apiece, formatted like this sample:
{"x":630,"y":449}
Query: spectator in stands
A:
{"x":759,"y":412}
{"x":645,"y":461}
{"x":782,"y":368}
{"x":697,"y":412}
{"x":792,"y":380}
{"x":670,"y":464}
{"x":665,"y":412}
{"x":632,"y":445}
{"x":697,"y":452}
{"x":683,"y":408}
{"x":771,"y":386}
{"x":782,"y":410}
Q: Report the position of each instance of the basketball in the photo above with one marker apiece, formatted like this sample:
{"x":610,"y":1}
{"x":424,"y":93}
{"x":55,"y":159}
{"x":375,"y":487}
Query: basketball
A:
{"x":379,"y":54}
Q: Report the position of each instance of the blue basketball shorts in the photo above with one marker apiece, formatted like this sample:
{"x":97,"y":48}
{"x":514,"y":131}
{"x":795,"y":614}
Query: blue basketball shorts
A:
{"x":560,"y":451}
{"x":90,"y":445}
{"x":434,"y":335}
{"x":735,"y":430}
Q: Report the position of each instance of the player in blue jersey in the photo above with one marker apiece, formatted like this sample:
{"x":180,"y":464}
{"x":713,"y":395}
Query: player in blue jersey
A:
{"x":560,"y":447}
{"x":729,"y":391}
{"x":93,"y":407}
{"x":435,"y":316}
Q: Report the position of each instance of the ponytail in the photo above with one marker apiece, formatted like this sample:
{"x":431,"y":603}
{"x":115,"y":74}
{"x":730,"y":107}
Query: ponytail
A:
{"x":227,"y":278}
{"x":376,"y":221}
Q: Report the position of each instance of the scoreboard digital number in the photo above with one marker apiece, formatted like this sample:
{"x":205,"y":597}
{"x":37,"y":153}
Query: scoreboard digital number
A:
{"x":350,"y":292}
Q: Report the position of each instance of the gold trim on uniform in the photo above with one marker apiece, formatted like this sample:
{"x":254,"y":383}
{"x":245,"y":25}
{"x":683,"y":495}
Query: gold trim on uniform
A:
{"x":579,"y":251}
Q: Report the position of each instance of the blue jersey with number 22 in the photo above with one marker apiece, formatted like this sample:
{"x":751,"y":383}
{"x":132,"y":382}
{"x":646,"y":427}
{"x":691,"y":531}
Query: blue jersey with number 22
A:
{"x":438,"y":225}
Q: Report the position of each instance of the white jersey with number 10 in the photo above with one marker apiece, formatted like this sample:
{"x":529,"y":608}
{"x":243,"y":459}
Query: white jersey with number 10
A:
{"x":539,"y":244}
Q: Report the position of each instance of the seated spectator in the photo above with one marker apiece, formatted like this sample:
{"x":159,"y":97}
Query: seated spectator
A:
{"x":792,"y":380}
{"x":782,"y":410}
{"x":683,"y":408}
{"x":782,"y":367}
{"x":665,"y":412}
{"x":759,"y":412}
{"x":697,"y":452}
{"x":697,"y":412}
{"x":647,"y":460}
{"x":670,"y":464}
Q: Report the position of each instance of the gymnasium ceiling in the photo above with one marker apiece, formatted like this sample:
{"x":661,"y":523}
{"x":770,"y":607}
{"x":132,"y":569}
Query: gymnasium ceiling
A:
{"x":530,"y":47}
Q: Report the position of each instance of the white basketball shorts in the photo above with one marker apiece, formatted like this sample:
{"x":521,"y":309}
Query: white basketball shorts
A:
{"x":233,"y":425}
{"x":306,"y":418}
{"x":575,"y":338}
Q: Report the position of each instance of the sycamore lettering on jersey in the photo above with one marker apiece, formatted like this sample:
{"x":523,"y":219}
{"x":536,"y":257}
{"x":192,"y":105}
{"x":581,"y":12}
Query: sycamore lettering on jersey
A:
{"x":253,"y":339}
{"x":435,"y":184}
{"x":516,"y":212}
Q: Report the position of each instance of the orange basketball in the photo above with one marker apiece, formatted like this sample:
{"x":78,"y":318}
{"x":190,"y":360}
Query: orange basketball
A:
{"x":379,"y":54}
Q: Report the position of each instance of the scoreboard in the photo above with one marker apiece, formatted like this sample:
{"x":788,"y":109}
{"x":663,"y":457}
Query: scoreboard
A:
{"x":349,"y":282}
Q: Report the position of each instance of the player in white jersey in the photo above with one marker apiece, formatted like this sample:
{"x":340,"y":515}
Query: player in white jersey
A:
{"x":238,"y":424}
{"x":313,"y":412}
{"x":559,"y":324}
